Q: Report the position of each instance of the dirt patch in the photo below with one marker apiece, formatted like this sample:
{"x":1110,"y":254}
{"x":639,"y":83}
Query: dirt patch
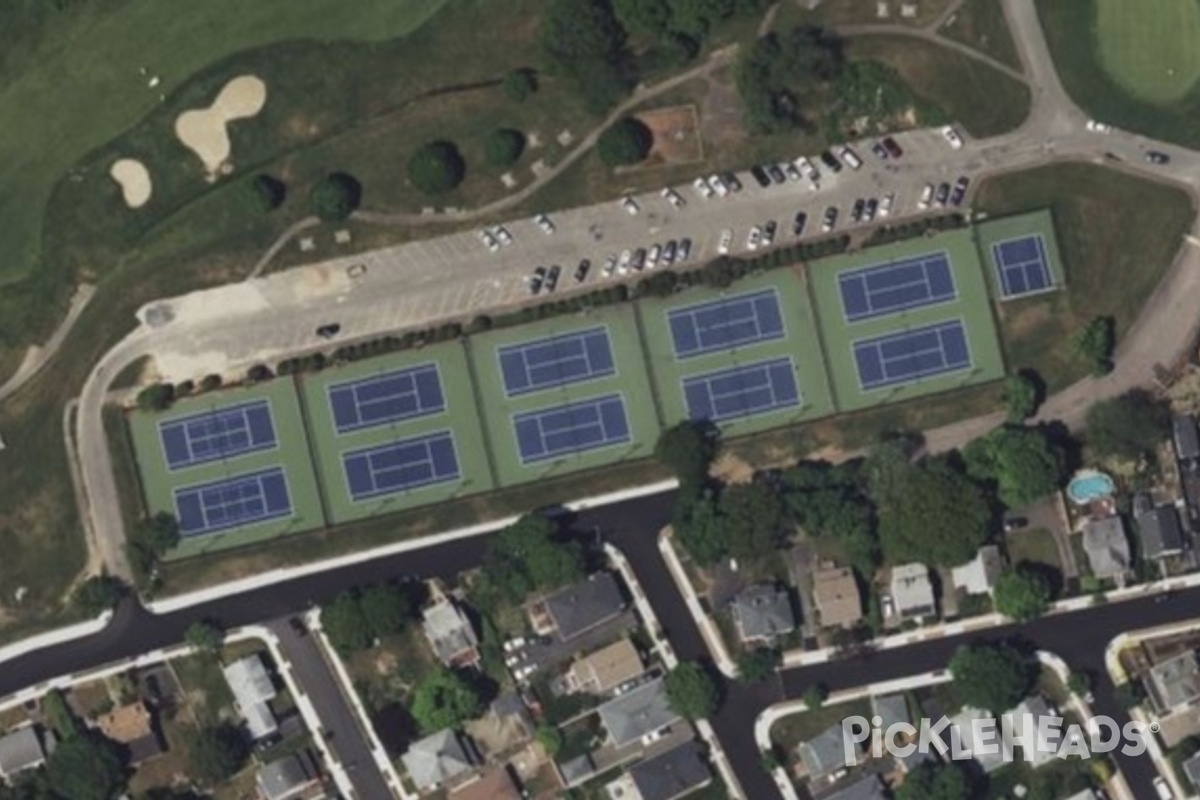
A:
{"x":1025,"y":320}
{"x":134,"y":179}
{"x":676,"y":135}
{"x":729,"y":468}
{"x":203,"y":130}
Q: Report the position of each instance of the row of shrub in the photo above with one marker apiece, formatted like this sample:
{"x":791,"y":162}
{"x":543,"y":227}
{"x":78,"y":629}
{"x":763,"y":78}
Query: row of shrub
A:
{"x":917,"y":228}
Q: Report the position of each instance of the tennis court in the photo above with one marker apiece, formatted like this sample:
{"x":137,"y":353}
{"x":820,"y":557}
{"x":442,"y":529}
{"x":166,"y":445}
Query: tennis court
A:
{"x":882,"y":289}
{"x":572,"y":428}
{"x":912,"y":355}
{"x":232,"y":502}
{"x":729,"y":322}
{"x":386,"y":398}
{"x":401,"y":466}
{"x":217,"y":434}
{"x":556,"y":361}
{"x":1022,"y":266}
{"x":742,"y":391}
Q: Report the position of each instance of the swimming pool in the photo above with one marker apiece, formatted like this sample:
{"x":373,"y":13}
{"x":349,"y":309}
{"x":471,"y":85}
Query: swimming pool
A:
{"x":1090,"y":485}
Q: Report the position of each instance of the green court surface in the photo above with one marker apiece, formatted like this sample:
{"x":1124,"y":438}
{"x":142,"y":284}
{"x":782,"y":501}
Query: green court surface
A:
{"x":1150,"y":47}
{"x":290,"y":452}
{"x":800,"y":342}
{"x":630,"y":381}
{"x":971,"y":306}
{"x":1003,"y":229}
{"x":459,"y":417}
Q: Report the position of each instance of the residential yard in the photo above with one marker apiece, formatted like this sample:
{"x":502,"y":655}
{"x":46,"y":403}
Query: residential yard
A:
{"x":1117,"y":235}
{"x":205,"y":691}
{"x":981,"y":25}
{"x":789,"y":732}
{"x":1035,"y":546}
{"x":385,"y":675}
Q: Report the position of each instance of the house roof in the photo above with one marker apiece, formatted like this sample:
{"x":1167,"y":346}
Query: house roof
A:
{"x":639,"y":711}
{"x":1175,"y":682}
{"x":672,"y":774}
{"x":1192,"y":768}
{"x":763,"y":612}
{"x":1047,"y":746}
{"x":1185,"y":437}
{"x":284,"y":778}
{"x":978,"y":576}
{"x":436,"y":758}
{"x":867,"y":788}
{"x":252,"y":690}
{"x":825,"y":753}
{"x":1106,"y":546}
{"x":584,"y":605}
{"x":449,"y":631}
{"x":835,"y":592}
{"x":126,"y":724}
{"x":990,"y":757}
{"x":890,"y":708}
{"x":577,"y":770}
{"x":609,"y":666}
{"x":495,"y":784}
{"x":1160,"y":530}
{"x":20,"y":750}
{"x":911,"y":590}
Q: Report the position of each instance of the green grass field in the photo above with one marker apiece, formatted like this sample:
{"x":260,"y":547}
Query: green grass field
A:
{"x":981,"y":25}
{"x":971,"y":306}
{"x":1151,"y":47}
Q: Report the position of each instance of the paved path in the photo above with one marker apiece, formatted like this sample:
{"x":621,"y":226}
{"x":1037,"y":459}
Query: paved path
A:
{"x":37,"y":357}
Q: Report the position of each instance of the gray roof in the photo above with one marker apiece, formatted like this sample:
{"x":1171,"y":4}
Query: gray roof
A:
{"x":1174,"y":682}
{"x":577,"y":769}
{"x":585,"y":605}
{"x":1161,"y":531}
{"x":1186,"y":437}
{"x":20,"y":750}
{"x":252,"y":689}
{"x":1107,"y":547}
{"x":891,"y":708}
{"x":672,"y":774}
{"x":825,"y":753}
{"x":638,"y":712}
{"x":448,"y":630}
{"x":436,"y":758}
{"x":868,"y":788}
{"x":763,"y":612}
{"x":978,"y":576}
{"x":1192,"y":768}
{"x":284,"y":777}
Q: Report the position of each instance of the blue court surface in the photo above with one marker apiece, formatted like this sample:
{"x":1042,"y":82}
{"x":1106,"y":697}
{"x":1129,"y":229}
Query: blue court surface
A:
{"x":573,"y":428}
{"x":742,"y":391}
{"x":556,"y":361}
{"x":401,"y":466}
{"x":231,"y":502}
{"x":897,"y":286}
{"x":726,"y":323}
{"x":390,"y":397}
{"x":220,"y":433}
{"x":1021,"y":266}
{"x":911,"y":355}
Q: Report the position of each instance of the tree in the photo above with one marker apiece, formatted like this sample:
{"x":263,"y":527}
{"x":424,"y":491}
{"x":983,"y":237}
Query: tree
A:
{"x":1020,"y":397}
{"x":268,"y":191}
{"x":436,"y":167}
{"x":519,"y":84}
{"x":691,"y":691}
{"x":815,"y":696}
{"x":445,"y":700}
{"x":385,"y":609}
{"x":98,"y":594}
{"x":758,"y":664}
{"x":345,"y":624}
{"x":829,"y":502}
{"x":642,"y":17}
{"x":156,"y":397}
{"x":781,"y":71}
{"x":85,"y":767}
{"x":1129,"y":694}
{"x":257,"y":373}
{"x":1095,"y":342}
{"x":158,"y":533}
{"x":61,"y":718}
{"x":336,"y":196}
{"x":210,"y":382}
{"x":754,"y":520}
{"x":525,"y":556}
{"x":993,"y":677}
{"x":698,"y":525}
{"x":687,"y":449}
{"x":216,"y":754}
{"x":1079,"y":683}
{"x":1021,"y":594}
{"x":936,"y":781}
{"x":1023,"y":462}
{"x":627,"y":141}
{"x":503,"y":147}
{"x":582,"y":40}
{"x":550,"y":738}
{"x":204,"y":637}
{"x":1130,"y":426}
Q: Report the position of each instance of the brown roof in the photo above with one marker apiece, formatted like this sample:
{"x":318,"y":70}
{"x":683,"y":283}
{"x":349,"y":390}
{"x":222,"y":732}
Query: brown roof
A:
{"x":609,"y":666}
{"x":126,"y":724}
{"x":836,"y":594}
{"x":495,"y":784}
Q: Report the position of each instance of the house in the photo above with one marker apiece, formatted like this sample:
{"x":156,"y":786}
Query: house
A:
{"x":1185,"y":437}
{"x":578,"y":608}
{"x":289,"y":777}
{"x":1174,"y":682}
{"x":1161,"y":532}
{"x":835,"y":594}
{"x":987,"y":752}
{"x":762,"y":614}
{"x":892,"y":709}
{"x":450,"y":634}
{"x":978,"y":576}
{"x":912,"y":593}
{"x":866,"y":788}
{"x":1046,"y":748}
{"x":576,"y":770}
{"x":1107,"y":547}
{"x":1191,"y":768}
{"x":638,"y":712}
{"x":494,"y":784}
{"x":438,"y":758}
{"x":508,"y":720}
{"x":606,"y":669}
{"x":824,"y":755}
{"x":674,"y":774}
{"x":132,"y":726}
{"x":22,"y":750}
{"x":252,"y":691}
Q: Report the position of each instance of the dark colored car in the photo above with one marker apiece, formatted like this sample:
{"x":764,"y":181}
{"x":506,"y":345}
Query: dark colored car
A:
{"x":581,"y":272}
{"x":798,"y":223}
{"x":552,"y":278}
{"x":769,"y":232}
{"x":892,"y":147}
{"x":329,"y":331}
{"x":830,"y":220}
{"x":831,"y":161}
{"x":880,"y":151}
{"x":1015,"y":523}
{"x":536,"y":280}
{"x":1157,"y":157}
{"x":760,"y":176}
{"x":960,"y":191}
{"x":776,"y":173}
{"x":732,"y":182}
{"x":668,"y":253}
{"x":943,"y":194}
{"x":297,"y":626}
{"x":639,"y":258}
{"x":856,"y":213}
{"x":685,"y":250}
{"x":870,"y":210}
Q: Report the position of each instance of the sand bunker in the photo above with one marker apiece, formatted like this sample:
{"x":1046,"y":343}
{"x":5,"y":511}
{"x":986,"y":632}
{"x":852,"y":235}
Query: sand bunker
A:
{"x":203,"y":130}
{"x":134,"y":179}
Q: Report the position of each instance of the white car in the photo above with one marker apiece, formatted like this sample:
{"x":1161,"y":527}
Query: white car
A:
{"x":652,"y":257}
{"x":1162,"y":789}
{"x":850,"y":157}
{"x":502,"y":235}
{"x":726,"y":241}
{"x":544,"y":223}
{"x":489,"y":241}
{"x":886,"y":203}
{"x":630,"y":205}
{"x":807,"y":169}
{"x":702,"y":188}
{"x":654,"y":736}
{"x":952,"y":138}
{"x":623,"y":264}
{"x":610,"y":265}
{"x":673,"y":197}
{"x":1098,"y":127}
{"x":717,"y":185}
{"x":754,"y":239}
{"x":926,"y":196}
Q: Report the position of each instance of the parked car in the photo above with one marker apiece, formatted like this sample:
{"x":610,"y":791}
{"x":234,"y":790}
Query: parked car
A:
{"x":793,"y":174}
{"x":1015,"y":523}
{"x":809,"y":169}
{"x":926,"y":196}
{"x":673,"y":197}
{"x":725,"y":242}
{"x":668,"y":253}
{"x":951,"y":136}
{"x":652,"y":256}
{"x":760,"y":176}
{"x":1162,"y":789}
{"x":769,"y":233}
{"x":892,"y":147}
{"x":624,"y":262}
{"x":630,"y":205}
{"x":754,"y":239}
{"x":581,"y":271}
{"x":731,"y":181}
{"x":610,"y":265}
{"x":776,"y":173}
{"x":503,"y":236}
{"x":718,"y":186}
{"x":536,"y":280}
{"x":329,"y":330}
{"x":870,"y":210}
{"x":960,"y":190}
{"x":639,"y":258}
{"x":830,"y":160}
{"x":489,"y":241}
{"x":1098,"y":127}
{"x":943,"y":194}
{"x":1157,"y":157}
{"x":850,"y":157}
{"x":856,"y":211}
{"x":685,"y":250}
{"x":702,"y":188}
{"x":798,"y":223}
{"x":829,"y":221}
{"x":880,"y":151}
{"x":552,"y":278}
{"x":544,"y":223}
{"x":886,"y":203}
